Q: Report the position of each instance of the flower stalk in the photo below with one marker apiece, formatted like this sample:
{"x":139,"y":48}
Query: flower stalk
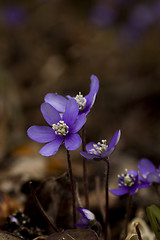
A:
{"x":85,"y":178}
{"x":72,"y":188}
{"x":128,"y":214}
{"x":107,"y":199}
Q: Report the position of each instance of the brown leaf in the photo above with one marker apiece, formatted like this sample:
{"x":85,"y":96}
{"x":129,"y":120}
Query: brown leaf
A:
{"x":8,"y":236}
{"x":74,"y":234}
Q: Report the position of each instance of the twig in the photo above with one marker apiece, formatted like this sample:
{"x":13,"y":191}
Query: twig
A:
{"x":38,"y":204}
{"x":138,"y":231}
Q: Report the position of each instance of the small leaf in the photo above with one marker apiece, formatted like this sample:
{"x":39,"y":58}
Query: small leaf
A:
{"x":74,"y":234}
{"x":153,"y":213}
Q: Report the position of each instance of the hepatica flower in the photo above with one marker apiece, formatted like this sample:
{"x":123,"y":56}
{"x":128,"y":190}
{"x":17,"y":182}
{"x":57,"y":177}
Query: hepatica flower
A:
{"x":148,"y":172}
{"x":128,"y":182}
{"x":88,"y":218}
{"x":63,"y":128}
{"x":85,"y":102}
{"x":100,"y":150}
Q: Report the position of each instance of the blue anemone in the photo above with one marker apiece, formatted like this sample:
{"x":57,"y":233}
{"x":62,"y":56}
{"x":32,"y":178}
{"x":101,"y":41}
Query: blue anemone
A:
{"x":63,"y":128}
{"x":85,"y":102}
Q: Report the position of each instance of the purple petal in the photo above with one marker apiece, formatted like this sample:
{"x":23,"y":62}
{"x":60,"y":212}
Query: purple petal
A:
{"x":50,"y":114}
{"x":114,"y":140}
{"x":78,"y":124}
{"x":134,"y":173}
{"x":89,"y":146}
{"x":88,"y":156}
{"x":144,"y":185}
{"x":153,"y":177}
{"x":134,"y":189}
{"x":145,"y":166}
{"x":57,"y":101}
{"x":52,"y":147}
{"x":119,"y":191}
{"x":71,"y":112}
{"x":72,"y":141}
{"x":41,"y":134}
{"x":94,"y":87}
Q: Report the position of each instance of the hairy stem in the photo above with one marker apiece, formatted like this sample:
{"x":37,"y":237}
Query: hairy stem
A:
{"x":128,"y":214}
{"x":85,"y":179}
{"x":107,"y":200}
{"x":72,"y":187}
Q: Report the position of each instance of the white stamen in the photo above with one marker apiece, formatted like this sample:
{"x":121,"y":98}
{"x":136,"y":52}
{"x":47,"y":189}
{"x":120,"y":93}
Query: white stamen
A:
{"x":80,"y":100}
{"x":99,"y":147}
{"x":60,"y":128}
{"x":126,"y":180}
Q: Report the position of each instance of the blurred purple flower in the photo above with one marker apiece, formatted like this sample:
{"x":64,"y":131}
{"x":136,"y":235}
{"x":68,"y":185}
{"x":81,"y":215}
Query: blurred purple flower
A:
{"x":85,"y":103}
{"x":62,"y":128}
{"x":102,"y":15}
{"x":148,"y":172}
{"x":127,"y":183}
{"x":142,"y":17}
{"x":156,"y":10}
{"x":13,"y":15}
{"x":88,"y":218}
{"x":101,"y":150}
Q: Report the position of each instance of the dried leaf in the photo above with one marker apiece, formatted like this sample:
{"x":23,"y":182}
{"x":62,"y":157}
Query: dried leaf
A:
{"x":55,"y":197}
{"x":74,"y":234}
{"x":8,"y":236}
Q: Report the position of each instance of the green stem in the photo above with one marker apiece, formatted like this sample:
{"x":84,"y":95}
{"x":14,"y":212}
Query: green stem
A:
{"x":85,"y":179}
{"x":72,"y":188}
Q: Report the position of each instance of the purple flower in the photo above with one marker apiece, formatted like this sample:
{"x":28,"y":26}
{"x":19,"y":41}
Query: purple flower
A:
{"x":13,"y":15}
{"x":101,"y":150}
{"x":148,"y":172}
{"x":128,"y":182}
{"x":88,"y":218}
{"x":102,"y":15}
{"x":85,"y":103}
{"x":62,"y":128}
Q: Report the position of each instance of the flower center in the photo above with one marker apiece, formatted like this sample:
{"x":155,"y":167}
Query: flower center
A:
{"x":99,"y":147}
{"x":126,"y":179}
{"x":80,"y":100}
{"x":60,"y":128}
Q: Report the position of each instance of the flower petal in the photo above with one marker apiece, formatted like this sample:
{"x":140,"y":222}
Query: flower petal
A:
{"x":57,"y":101}
{"x":72,"y":141}
{"x":78,"y":123}
{"x":52,"y":147}
{"x":88,"y":156}
{"x":153,"y":177}
{"x":94,"y":87}
{"x":119,"y":191}
{"x":114,"y":140}
{"x":89,"y":146}
{"x":134,"y":189}
{"x":41,"y":134}
{"x":145,"y":166}
{"x":71,"y":112}
{"x":50,"y":114}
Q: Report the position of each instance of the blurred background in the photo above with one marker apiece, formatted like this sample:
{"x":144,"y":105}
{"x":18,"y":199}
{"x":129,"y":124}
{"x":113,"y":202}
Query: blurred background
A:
{"x":56,"y":45}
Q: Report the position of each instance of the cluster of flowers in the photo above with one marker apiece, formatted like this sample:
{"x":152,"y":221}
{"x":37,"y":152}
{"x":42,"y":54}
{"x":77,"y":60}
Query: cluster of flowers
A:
{"x":128,"y":182}
{"x":66,"y":116}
